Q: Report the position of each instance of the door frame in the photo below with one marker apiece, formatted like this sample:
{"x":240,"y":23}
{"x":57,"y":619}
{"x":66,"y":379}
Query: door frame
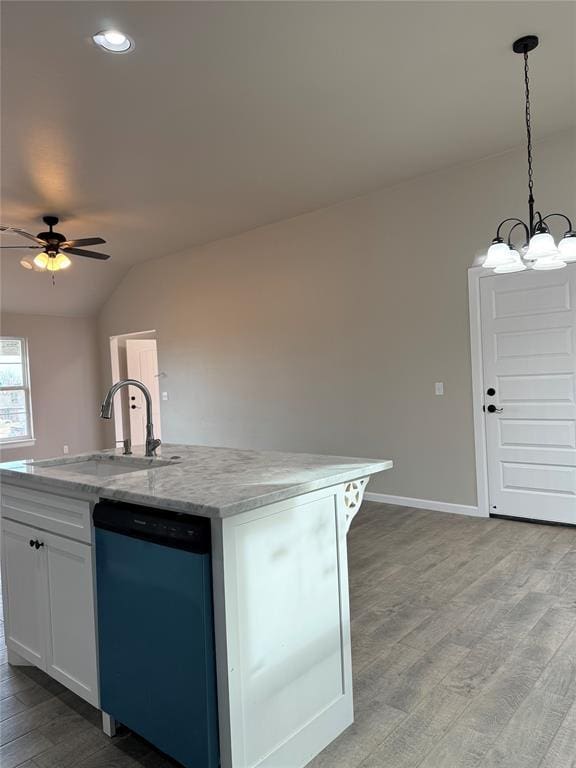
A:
{"x":475,"y":274}
{"x":119,"y":406}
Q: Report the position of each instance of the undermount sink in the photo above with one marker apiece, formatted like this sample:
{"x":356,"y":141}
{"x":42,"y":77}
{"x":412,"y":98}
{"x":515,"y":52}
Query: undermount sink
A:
{"x":104,"y":465}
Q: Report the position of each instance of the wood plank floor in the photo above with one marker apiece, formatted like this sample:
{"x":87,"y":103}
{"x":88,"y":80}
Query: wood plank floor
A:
{"x":464,"y":645}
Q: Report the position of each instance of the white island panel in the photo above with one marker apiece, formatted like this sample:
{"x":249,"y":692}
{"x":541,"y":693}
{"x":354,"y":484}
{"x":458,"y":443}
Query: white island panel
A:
{"x":285,"y":594}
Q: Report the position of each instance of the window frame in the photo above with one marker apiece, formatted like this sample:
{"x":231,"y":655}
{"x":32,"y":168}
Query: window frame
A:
{"x":28,"y":439}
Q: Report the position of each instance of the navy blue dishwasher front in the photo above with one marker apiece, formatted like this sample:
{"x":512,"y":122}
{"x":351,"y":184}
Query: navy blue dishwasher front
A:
{"x":155,"y":628}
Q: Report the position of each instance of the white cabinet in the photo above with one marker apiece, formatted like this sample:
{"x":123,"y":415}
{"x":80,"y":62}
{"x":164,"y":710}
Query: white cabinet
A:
{"x":23,"y":569}
{"x":70,"y":630}
{"x":49,"y":605}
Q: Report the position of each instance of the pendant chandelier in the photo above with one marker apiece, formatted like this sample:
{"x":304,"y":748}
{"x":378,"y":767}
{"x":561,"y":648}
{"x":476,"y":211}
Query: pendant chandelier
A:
{"x":538,"y":249}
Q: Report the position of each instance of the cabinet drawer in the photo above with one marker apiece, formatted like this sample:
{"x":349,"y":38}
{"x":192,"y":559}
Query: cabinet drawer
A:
{"x":49,"y":511}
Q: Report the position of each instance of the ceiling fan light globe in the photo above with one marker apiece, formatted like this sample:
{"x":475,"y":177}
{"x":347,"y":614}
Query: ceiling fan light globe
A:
{"x":26,"y":264}
{"x":41,"y":260}
{"x":62,"y":261}
{"x":52,"y":266}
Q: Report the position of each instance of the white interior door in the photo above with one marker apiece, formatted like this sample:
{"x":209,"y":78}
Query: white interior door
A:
{"x":529,"y":358}
{"x":142,"y":364}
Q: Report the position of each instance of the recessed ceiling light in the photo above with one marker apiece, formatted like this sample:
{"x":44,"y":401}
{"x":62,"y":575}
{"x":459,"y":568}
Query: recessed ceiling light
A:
{"x":114,"y":41}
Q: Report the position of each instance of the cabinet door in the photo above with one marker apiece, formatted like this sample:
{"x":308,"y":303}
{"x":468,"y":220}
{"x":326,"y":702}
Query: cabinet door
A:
{"x":71,"y":633}
{"x":24,"y":588}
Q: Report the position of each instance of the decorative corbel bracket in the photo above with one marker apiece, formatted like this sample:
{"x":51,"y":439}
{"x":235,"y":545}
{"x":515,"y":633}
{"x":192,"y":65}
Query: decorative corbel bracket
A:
{"x":353,"y":495}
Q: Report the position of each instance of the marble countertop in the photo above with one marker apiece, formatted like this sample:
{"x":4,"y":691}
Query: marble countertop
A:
{"x":200,"y":480}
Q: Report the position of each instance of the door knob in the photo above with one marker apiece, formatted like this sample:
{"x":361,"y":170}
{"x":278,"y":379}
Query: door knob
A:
{"x":38,"y":544}
{"x":492,"y":409}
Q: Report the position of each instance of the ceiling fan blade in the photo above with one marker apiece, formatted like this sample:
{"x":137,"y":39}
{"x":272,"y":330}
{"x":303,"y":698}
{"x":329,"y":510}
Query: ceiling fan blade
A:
{"x":33,"y":247}
{"x":89,"y":254}
{"x":83,"y":241}
{"x":18,"y":231}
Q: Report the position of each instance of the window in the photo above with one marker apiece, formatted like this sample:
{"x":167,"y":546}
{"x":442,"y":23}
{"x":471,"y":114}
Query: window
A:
{"x":15,"y":409}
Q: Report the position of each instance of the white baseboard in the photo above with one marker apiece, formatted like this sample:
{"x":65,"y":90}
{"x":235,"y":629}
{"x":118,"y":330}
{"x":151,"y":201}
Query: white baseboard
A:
{"x":435,"y":506}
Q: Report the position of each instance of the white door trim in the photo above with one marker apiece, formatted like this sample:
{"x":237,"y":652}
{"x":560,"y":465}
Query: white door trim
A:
{"x":474,"y":276}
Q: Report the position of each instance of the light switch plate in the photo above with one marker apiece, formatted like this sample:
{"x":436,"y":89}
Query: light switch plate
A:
{"x":439,"y":388}
{"x":164,"y":395}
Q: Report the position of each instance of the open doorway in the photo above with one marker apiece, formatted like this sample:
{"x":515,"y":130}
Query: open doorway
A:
{"x":135,"y":356}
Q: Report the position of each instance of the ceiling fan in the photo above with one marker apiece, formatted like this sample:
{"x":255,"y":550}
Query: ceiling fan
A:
{"x":54,"y":247}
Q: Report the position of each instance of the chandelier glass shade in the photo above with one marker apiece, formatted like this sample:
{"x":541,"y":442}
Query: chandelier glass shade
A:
{"x":547,"y":263}
{"x":515,"y":265}
{"x":499,"y":255}
{"x":542,"y":246}
{"x":567,"y":247}
{"x":538,"y":248}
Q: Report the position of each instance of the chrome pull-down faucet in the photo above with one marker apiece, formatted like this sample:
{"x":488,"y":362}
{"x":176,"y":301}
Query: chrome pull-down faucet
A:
{"x":106,"y":410}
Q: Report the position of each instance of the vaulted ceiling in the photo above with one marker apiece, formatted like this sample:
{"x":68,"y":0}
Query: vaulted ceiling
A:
{"x":230,"y":115}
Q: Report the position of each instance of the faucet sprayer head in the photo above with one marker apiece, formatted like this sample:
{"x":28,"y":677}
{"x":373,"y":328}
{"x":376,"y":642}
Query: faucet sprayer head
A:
{"x":106,"y":408}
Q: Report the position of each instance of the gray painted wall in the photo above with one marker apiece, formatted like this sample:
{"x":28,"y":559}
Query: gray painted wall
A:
{"x":326,"y":332}
{"x":65,"y":382}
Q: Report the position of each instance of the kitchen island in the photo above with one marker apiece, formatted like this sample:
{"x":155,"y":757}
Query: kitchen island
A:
{"x":278,"y":524}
